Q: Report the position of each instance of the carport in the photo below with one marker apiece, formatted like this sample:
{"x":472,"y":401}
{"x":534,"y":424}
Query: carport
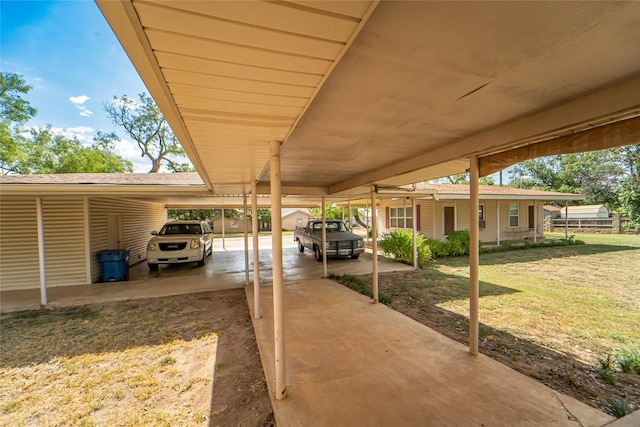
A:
{"x":343,"y":99}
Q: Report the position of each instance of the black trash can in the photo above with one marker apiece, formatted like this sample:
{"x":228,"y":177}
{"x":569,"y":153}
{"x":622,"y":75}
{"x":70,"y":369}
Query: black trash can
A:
{"x":115,"y":264}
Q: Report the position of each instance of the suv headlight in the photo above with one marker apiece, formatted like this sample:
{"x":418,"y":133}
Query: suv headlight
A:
{"x":195,"y":243}
{"x":151,"y":246}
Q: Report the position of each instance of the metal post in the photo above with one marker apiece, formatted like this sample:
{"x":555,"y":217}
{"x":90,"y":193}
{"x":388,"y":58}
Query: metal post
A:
{"x":566,"y":219}
{"x":498,"y":222}
{"x":374,"y":244}
{"x":350,"y":215}
{"x":415,"y":237}
{"x":366,"y":211}
{"x":41,"y":261}
{"x":278,"y":277}
{"x":474,"y":258}
{"x":324,"y":239}
{"x":224,"y":243}
{"x":246,"y":239}
{"x":257,"y":313}
{"x":535,"y":222}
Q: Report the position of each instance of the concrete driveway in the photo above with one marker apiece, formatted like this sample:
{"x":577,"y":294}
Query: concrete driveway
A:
{"x":224,"y":270}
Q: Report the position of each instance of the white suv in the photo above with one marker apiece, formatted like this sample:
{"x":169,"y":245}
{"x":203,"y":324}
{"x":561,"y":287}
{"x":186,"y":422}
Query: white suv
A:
{"x":179,"y":242}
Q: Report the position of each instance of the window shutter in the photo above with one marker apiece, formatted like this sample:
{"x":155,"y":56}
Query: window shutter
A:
{"x":417,"y":214}
{"x":388,"y":216}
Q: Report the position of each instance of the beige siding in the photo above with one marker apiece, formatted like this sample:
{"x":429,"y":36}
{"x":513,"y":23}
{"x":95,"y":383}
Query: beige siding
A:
{"x":290,"y":221}
{"x":64,"y":244}
{"x":19,"y":267}
{"x":138,"y":220}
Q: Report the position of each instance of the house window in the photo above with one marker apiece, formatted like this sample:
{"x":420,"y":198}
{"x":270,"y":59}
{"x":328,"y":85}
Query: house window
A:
{"x":481,"y":221}
{"x":401,"y":217}
{"x":514,"y":215}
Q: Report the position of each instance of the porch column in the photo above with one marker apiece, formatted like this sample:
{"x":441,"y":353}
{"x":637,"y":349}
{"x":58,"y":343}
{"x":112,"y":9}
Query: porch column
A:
{"x":257,"y":313}
{"x":350,"y":215}
{"x":278,"y":278}
{"x":415,"y":231}
{"x":535,"y":221}
{"x":41,"y":261}
{"x":366,"y":212}
{"x":498,"y":222}
{"x":224,"y":244}
{"x":324,"y":239}
{"x":374,"y":244}
{"x":566,"y":219}
{"x":246,"y":239}
{"x":474,"y":258}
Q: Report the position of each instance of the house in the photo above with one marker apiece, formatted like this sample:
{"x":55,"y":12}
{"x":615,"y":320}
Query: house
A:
{"x":294,"y":218}
{"x":505,"y":213}
{"x":551,"y":211}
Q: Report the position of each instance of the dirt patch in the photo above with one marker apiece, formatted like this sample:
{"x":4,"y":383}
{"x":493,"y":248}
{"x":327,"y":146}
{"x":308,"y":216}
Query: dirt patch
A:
{"x":184,"y":360}
{"x":554,"y":368}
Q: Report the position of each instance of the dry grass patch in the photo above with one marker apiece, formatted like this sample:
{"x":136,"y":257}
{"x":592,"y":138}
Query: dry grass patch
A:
{"x":148,"y":362}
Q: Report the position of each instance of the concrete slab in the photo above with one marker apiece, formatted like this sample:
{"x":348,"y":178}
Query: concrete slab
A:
{"x":352,"y":363}
{"x":225,"y":270}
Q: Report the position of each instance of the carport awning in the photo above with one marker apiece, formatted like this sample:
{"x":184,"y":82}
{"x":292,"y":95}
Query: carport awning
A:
{"x":386,"y":93}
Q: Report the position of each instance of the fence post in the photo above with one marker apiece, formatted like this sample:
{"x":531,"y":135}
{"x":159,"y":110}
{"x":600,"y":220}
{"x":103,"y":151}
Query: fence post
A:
{"x":616,"y":224}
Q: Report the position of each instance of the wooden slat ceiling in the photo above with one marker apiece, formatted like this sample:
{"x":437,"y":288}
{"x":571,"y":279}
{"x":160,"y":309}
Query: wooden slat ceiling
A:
{"x":361,"y":92}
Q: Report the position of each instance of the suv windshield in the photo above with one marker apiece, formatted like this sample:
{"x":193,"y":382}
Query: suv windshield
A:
{"x":170,"y":229}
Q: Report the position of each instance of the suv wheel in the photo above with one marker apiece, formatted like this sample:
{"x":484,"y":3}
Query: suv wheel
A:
{"x":318,"y":254}
{"x":153,"y":267}
{"x":203,"y":261}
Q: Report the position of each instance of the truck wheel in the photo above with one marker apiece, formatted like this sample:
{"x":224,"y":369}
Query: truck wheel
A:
{"x":153,"y":267}
{"x":203,"y":261}
{"x":355,"y":256}
{"x":300,"y":246}
{"x":318,"y":254}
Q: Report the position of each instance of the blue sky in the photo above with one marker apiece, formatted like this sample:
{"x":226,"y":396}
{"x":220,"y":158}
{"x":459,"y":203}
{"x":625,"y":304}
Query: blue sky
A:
{"x":68,"y":53}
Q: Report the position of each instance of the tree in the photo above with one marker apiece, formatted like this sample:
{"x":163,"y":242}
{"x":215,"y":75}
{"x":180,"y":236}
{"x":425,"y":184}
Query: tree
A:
{"x":330,"y":212}
{"x":461,"y":178}
{"x":146,"y":125}
{"x":14,"y":112}
{"x":46,"y":152}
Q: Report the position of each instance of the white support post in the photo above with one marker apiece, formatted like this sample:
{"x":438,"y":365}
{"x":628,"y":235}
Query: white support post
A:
{"x":278,"y":277}
{"x":474,"y":258}
{"x":350,"y":215}
{"x":257,"y":312}
{"x":324,"y":239}
{"x":415,"y":236}
{"x":566,"y":219}
{"x":246,"y":239}
{"x":374,"y":244}
{"x":366,"y":211}
{"x":87,"y":240}
{"x":224,"y":243}
{"x":498,"y":222}
{"x":535,"y":221}
{"x":41,"y":260}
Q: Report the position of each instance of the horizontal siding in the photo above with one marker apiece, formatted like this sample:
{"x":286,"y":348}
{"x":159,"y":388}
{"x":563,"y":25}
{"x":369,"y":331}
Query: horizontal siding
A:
{"x":138,"y":220}
{"x":19,"y":266}
{"x":64,"y":244}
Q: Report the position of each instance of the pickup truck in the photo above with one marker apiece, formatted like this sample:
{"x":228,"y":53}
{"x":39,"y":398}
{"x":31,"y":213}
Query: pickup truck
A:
{"x":340,"y":242}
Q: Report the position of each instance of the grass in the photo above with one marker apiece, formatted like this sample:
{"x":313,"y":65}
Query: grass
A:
{"x":110,"y":364}
{"x":584,"y":299}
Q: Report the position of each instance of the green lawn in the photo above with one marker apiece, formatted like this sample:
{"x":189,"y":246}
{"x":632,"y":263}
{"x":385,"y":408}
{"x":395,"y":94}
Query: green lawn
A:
{"x":582,"y":299}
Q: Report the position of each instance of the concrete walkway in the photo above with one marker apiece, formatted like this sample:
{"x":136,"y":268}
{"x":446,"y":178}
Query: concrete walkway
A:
{"x":352,"y":363}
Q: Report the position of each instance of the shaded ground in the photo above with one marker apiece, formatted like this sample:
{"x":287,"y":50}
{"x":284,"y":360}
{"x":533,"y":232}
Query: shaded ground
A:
{"x":142,"y":362}
{"x":555,"y":368}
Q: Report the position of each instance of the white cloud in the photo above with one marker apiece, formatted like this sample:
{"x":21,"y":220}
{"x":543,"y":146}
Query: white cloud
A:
{"x":130,"y":151}
{"x":79,"y":103}
{"x":84,"y":134}
{"x":79,"y":100}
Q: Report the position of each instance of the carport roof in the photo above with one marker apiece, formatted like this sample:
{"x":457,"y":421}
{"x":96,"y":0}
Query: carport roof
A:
{"x":387,"y":93}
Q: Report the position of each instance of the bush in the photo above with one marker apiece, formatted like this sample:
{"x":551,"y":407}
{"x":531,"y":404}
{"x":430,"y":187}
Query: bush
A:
{"x":399,"y":244}
{"x":459,"y":242}
{"x":438,"y":248}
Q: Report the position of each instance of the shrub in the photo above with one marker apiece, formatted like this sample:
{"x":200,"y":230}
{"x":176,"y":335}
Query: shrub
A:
{"x":399,"y":244}
{"x":459,"y":242}
{"x":617,"y":407}
{"x":628,"y":360}
{"x":438,"y":248}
